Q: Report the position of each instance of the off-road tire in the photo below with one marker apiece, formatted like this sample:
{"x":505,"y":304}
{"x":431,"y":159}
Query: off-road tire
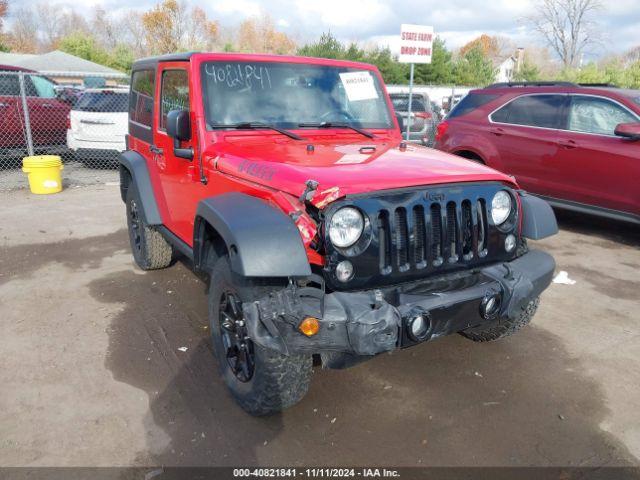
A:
{"x":504,"y":327}
{"x":150,"y":249}
{"x":278,"y":381}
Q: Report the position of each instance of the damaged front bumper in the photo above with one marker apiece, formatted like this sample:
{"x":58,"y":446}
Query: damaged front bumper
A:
{"x":369,"y":322}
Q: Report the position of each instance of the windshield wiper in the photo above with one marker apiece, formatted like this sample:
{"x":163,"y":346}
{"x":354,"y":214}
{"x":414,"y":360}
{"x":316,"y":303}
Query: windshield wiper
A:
{"x":337,"y":125}
{"x":256,"y":126}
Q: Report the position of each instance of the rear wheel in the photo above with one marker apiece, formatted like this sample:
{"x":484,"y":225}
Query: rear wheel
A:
{"x":261,"y":380}
{"x":150,"y":249}
{"x":470,"y":156}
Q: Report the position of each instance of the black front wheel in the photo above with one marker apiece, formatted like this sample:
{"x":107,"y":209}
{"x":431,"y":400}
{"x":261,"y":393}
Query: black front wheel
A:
{"x":238,"y":347}
{"x":261,"y":380}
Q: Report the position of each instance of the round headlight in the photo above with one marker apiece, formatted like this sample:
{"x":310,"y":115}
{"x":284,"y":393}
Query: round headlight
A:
{"x":500,"y":207}
{"x":346,"y":227}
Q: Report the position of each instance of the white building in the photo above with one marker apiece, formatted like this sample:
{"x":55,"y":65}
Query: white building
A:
{"x":506,"y":70}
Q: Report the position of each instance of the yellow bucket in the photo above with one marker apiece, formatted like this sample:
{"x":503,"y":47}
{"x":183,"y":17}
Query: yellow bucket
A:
{"x":43,"y":172}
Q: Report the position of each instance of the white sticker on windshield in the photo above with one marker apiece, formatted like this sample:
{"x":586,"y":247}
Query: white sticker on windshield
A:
{"x":359,"y":86}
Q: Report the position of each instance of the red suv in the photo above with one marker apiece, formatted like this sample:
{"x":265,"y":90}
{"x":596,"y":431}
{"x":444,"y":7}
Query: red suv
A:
{"x":325,"y":237}
{"x":577,"y":146}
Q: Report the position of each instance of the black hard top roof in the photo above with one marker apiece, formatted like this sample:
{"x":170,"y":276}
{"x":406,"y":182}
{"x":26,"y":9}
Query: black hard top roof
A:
{"x":152,"y":62}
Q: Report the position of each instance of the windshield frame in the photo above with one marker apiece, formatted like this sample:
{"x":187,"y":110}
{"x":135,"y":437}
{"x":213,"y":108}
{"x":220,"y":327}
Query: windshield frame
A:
{"x":294,"y":125}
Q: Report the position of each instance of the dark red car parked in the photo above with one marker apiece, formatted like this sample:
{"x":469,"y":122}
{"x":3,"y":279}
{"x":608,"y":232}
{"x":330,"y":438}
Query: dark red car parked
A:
{"x":47,"y":113}
{"x":578,"y":146}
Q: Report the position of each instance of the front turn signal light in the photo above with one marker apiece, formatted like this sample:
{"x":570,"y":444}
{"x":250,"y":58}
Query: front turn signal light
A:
{"x":309,"y":326}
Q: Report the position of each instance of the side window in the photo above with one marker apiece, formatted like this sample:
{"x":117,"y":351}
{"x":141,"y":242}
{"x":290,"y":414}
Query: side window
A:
{"x":175,"y":93}
{"x":141,"y":97}
{"x":597,"y":115}
{"x":40,"y":87}
{"x":9,"y":86}
{"x":471,"y":102}
{"x":532,"y":110}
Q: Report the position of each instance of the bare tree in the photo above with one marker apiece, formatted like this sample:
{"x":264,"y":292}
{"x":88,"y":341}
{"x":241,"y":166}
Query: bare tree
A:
{"x":632,"y":55}
{"x":505,"y":46}
{"x":567,"y":27}
{"x":4,"y":7}
{"x":71,"y":22}
{"x":201,"y":33}
{"x":107,"y":32}
{"x":49,"y":20}
{"x":134,"y":33}
{"x":21,"y":37}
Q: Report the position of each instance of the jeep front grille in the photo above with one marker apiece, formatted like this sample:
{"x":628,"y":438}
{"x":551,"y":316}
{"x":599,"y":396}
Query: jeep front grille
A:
{"x":420,"y":232}
{"x":447,"y":233}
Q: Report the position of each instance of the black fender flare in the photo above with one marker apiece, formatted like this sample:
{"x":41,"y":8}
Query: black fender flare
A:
{"x":136,"y":165}
{"x":538,"y":219}
{"x":261,"y":240}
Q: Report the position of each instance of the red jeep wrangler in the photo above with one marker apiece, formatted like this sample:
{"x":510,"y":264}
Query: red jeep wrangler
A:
{"x":325,"y":237}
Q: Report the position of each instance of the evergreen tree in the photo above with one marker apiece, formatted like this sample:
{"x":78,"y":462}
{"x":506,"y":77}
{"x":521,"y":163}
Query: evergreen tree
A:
{"x":474,"y":68}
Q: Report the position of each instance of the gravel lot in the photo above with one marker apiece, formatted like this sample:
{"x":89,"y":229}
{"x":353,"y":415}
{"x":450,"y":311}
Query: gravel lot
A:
{"x":91,"y":372}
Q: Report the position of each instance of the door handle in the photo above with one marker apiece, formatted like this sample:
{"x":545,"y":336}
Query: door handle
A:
{"x":567,"y":143}
{"x":497,"y":131}
{"x":47,"y":105}
{"x":154,"y":149}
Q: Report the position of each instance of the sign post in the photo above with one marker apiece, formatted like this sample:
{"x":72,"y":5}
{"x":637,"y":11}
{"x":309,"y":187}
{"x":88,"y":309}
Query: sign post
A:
{"x":416,"y":42}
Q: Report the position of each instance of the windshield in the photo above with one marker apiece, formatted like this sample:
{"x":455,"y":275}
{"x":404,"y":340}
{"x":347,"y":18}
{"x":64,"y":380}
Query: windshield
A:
{"x":110,"y":102}
{"x":288,"y":95}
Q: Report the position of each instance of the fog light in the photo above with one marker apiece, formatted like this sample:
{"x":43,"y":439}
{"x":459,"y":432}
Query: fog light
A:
{"x":510,"y":242}
{"x":309,"y":326}
{"x":344,"y":271}
{"x":490,"y":305}
{"x":418,"y":326}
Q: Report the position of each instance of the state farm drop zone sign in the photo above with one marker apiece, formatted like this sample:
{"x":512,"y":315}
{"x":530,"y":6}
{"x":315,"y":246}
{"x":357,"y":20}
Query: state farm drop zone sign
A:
{"x":416,"y":42}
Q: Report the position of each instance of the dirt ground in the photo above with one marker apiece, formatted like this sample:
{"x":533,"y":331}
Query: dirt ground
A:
{"x":92,"y":374}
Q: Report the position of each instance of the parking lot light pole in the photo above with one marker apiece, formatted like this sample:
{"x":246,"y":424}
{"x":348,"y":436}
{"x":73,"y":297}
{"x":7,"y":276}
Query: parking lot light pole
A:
{"x":25,"y":111}
{"x":410,"y":99}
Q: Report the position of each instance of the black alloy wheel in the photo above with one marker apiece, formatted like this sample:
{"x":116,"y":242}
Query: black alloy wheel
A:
{"x":239,"y":349}
{"x":136,"y":226}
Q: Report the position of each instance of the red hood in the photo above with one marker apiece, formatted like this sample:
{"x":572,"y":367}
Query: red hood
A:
{"x":339,"y":167}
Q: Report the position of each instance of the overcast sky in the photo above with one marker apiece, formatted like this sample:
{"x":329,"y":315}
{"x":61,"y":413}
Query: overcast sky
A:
{"x":457,"y":21}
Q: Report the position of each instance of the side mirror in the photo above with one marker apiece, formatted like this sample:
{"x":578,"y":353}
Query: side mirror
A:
{"x":179,"y":128}
{"x":628,"y":130}
{"x":400,"y":121}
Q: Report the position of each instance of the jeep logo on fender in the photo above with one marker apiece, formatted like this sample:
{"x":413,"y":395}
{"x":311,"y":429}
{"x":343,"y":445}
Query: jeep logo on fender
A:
{"x":435,"y":197}
{"x":257,"y":170}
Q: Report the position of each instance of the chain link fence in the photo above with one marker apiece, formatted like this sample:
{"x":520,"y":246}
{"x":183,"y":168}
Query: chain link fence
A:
{"x":80,"y":117}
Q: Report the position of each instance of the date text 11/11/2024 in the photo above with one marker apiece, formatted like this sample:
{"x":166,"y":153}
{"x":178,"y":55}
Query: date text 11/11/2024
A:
{"x":319,"y":472}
